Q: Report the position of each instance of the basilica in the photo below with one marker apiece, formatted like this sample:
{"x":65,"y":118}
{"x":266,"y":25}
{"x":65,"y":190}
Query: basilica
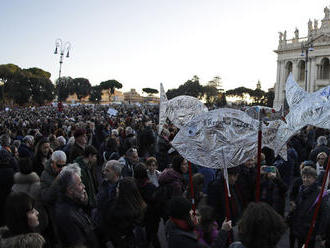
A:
{"x":306,"y":57}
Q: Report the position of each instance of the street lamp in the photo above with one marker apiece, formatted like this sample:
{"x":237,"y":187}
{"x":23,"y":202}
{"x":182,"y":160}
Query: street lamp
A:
{"x":62,"y":48}
{"x":307,"y":47}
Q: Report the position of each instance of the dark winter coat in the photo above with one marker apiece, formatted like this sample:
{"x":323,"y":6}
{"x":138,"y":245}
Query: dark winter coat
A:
{"x":27,"y":183}
{"x":22,"y":240}
{"x":6,"y":182}
{"x":74,"y":226}
{"x":179,"y":238}
{"x":48,"y":191}
{"x":273,"y":191}
{"x":174,"y":179}
{"x":88,"y":180}
{"x":247,"y":183}
{"x":75,"y":151}
{"x":24,"y":151}
{"x":217,"y":198}
{"x":162,"y":153}
{"x":303,"y":214}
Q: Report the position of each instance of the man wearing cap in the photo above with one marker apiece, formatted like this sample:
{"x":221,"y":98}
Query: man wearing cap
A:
{"x":80,"y":141}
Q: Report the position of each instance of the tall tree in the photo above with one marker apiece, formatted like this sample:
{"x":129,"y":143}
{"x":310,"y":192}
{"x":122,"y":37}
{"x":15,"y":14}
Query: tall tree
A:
{"x":82,"y":87}
{"x":64,"y":88}
{"x":42,"y":90}
{"x":190,"y":88}
{"x":95,"y":94}
{"x":150,"y":91}
{"x":111,"y":85}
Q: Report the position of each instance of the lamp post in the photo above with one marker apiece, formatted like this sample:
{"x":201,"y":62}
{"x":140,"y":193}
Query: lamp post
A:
{"x":307,"y":47}
{"x":62,"y":48}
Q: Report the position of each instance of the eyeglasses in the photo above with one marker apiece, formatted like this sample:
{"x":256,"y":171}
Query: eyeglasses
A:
{"x":60,"y":165}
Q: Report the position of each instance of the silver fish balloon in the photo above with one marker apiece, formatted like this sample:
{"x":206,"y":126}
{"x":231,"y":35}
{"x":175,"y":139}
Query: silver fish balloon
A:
{"x":305,"y":109}
{"x":179,"y":110}
{"x":223,"y":138}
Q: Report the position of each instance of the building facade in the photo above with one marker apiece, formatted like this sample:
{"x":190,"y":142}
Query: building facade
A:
{"x":301,"y":54}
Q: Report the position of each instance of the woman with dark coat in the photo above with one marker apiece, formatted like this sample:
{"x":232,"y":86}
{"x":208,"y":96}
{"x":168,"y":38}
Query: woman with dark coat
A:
{"x":174,"y":176}
{"x":126,"y":212}
{"x":273,"y":190}
{"x":147,"y":190}
{"x":21,"y":219}
{"x":42,"y":154}
{"x":304,"y":207}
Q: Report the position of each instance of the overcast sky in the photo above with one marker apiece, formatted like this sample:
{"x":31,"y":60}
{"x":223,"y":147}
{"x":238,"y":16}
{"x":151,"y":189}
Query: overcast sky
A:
{"x":141,"y":43}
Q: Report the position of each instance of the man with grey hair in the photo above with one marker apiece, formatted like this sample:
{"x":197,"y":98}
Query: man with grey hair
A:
{"x":75,"y":227}
{"x":111,"y":172}
{"x":26,"y":147}
{"x":321,"y":146}
{"x":52,"y":169}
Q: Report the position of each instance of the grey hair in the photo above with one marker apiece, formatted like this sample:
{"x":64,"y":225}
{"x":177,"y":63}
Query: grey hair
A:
{"x":64,"y":180}
{"x":71,"y":140}
{"x":58,"y":156}
{"x":322,"y":140}
{"x":62,"y":140}
{"x":128,"y":131}
{"x":28,"y":138}
{"x":114,"y":132}
{"x":74,"y":167}
{"x":114,"y":165}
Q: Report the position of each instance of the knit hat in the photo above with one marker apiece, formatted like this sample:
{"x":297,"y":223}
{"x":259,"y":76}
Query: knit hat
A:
{"x":179,"y":208}
{"x":78,"y":132}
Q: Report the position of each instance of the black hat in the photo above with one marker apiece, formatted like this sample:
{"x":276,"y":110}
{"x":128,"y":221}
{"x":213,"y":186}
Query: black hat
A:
{"x":179,"y":208}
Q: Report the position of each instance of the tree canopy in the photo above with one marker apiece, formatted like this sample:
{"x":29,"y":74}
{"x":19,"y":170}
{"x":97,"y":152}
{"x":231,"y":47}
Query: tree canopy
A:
{"x":95,"y":94}
{"x":82,"y":87}
{"x":23,"y":85}
{"x":150,"y":91}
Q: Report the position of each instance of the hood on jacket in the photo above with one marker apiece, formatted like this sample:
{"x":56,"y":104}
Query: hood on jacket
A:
{"x":169,"y":175}
{"x":22,"y":240}
{"x":20,"y":178}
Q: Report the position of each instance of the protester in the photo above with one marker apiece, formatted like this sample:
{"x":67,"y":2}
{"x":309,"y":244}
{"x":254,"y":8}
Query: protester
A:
{"x":321,"y":146}
{"x":87,"y":164}
{"x":259,"y":227}
{"x":147,"y":190}
{"x":21,"y":222}
{"x":26,"y":180}
{"x":53,"y":168}
{"x":80,"y":141}
{"x":125,"y":214}
{"x":153,"y":173}
{"x":217,"y":197}
{"x":129,"y":161}
{"x":79,"y":228}
{"x":304,"y":207}
{"x":26,"y":147}
{"x":42,"y":154}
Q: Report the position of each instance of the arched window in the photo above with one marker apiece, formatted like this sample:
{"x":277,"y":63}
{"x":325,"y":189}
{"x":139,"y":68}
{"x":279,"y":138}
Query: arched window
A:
{"x":301,"y":70}
{"x":324,"y":69}
{"x":288,"y":69}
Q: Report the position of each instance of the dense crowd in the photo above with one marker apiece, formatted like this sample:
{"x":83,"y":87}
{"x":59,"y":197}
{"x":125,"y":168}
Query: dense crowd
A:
{"x":82,"y":178}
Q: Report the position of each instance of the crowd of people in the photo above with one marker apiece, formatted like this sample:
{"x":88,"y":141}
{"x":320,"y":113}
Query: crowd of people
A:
{"x":80,"y":177}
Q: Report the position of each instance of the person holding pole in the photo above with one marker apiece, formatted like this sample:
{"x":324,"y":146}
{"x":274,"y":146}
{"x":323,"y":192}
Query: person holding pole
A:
{"x":304,"y":209}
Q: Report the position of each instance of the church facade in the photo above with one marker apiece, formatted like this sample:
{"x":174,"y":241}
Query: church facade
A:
{"x":308,"y":58}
